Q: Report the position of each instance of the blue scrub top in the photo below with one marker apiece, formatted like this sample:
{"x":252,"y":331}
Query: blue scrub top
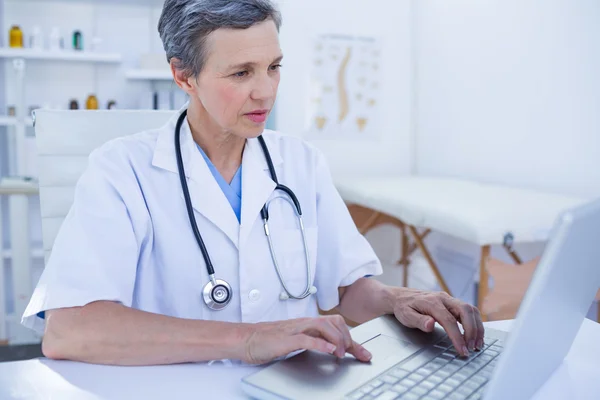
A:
{"x":233,"y":190}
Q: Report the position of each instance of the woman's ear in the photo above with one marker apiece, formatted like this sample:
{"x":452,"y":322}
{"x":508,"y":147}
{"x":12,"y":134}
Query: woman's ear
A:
{"x":182,"y":78}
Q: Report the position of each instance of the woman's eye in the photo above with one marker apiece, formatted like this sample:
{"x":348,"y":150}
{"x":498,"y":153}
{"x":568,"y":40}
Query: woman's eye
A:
{"x":275,"y":67}
{"x":241,"y":74}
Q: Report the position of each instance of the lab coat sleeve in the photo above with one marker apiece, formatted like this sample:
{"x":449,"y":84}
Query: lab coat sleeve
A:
{"x":95,"y":254}
{"x":343,"y":254}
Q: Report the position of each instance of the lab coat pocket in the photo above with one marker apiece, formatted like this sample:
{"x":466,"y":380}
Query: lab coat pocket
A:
{"x":293,"y":269}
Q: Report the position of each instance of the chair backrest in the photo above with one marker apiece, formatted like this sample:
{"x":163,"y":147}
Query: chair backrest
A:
{"x":65,"y":139}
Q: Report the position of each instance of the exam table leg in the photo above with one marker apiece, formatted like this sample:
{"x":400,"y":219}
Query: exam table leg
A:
{"x":483,"y":278}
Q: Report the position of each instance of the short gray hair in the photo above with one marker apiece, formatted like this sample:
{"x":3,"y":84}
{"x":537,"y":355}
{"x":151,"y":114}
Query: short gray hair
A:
{"x":184,"y":26}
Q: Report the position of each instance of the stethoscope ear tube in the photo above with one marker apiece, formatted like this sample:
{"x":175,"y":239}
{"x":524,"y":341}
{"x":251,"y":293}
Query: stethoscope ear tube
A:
{"x":186,"y":195}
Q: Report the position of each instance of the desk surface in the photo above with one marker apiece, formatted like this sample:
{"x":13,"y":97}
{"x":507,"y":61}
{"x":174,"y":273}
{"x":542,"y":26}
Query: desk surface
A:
{"x":576,"y":378}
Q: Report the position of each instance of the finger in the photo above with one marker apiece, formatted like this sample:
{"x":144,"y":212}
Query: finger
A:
{"x":306,"y":342}
{"x":359,"y":352}
{"x":480,"y":329}
{"x":340,"y":324}
{"x":321,"y":327}
{"x":465,"y":313}
{"x":450,"y":325}
{"x":411,"y":318}
{"x":352,"y":347}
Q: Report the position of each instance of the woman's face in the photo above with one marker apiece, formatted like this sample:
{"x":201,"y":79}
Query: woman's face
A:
{"x":237,"y":87}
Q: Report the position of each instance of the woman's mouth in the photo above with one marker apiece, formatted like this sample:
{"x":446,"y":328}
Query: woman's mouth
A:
{"x":258,"y":116}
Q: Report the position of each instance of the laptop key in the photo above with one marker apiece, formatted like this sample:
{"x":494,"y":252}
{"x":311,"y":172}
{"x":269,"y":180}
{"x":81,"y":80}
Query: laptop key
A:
{"x":452,"y":382}
{"x":444,"y":387}
{"x":390,"y":379}
{"x":479,"y":379}
{"x":399,"y":388}
{"x":366,"y":389}
{"x":419,"y":390}
{"x":376,"y":383}
{"x":427,"y":384}
{"x":435,"y":395}
{"x":399,"y":373}
{"x":465,"y":391}
{"x":356,"y":396}
{"x":389,"y":395}
{"x":410,"y":396}
{"x":408,"y":382}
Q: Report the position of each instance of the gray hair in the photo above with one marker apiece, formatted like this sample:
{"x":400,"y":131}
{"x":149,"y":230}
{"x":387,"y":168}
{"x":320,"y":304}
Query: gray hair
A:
{"x":184,"y":26}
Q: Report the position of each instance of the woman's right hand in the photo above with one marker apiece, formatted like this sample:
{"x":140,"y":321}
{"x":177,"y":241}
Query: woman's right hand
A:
{"x":327,"y":334}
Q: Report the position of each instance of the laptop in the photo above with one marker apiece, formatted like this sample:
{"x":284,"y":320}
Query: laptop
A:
{"x":409,"y":364}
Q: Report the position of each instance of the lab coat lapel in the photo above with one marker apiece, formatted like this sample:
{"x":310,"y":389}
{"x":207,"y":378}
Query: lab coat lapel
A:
{"x":207,"y":197}
{"x":257,"y":185}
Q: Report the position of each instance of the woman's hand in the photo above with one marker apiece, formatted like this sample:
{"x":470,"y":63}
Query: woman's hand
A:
{"x":421,"y":309}
{"x":328,"y":334}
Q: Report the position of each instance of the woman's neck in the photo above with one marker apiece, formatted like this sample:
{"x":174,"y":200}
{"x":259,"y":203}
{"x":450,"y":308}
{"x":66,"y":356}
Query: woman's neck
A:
{"x":222,"y":148}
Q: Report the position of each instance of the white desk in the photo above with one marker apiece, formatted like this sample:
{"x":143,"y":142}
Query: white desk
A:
{"x":576,"y":379}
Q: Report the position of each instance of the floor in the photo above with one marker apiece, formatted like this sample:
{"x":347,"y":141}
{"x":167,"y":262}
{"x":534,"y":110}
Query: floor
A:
{"x":21,"y":352}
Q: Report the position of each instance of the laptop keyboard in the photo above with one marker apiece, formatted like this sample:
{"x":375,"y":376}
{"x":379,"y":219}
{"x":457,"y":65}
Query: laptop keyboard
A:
{"x":446,"y":376}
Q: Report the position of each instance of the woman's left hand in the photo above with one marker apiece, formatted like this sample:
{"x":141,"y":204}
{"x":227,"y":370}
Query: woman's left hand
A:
{"x":421,"y":309}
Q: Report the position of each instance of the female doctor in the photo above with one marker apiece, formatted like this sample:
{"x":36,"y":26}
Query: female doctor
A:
{"x":164,"y":258}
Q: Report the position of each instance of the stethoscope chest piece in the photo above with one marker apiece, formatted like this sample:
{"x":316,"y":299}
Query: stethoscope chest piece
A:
{"x":217,"y":294}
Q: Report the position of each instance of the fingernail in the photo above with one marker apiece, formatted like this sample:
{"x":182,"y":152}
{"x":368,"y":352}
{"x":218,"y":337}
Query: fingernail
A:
{"x":471,"y":345}
{"x":465,"y":351}
{"x":366,"y":354}
{"x":479,"y":344}
{"x":331,"y":348}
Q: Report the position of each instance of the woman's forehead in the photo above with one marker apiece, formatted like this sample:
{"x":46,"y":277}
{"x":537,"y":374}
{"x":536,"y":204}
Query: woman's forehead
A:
{"x":257,"y":44}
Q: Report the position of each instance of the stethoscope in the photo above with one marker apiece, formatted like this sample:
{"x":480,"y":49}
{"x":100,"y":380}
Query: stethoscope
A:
{"x":217,"y":292}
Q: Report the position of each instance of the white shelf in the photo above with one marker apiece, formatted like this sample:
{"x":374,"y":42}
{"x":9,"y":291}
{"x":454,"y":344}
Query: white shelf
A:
{"x":149,"y":75}
{"x":12,"y":121}
{"x":63,"y":55}
{"x":35,"y":253}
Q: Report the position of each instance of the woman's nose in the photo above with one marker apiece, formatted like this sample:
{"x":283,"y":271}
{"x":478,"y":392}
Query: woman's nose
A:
{"x":264,"y":88}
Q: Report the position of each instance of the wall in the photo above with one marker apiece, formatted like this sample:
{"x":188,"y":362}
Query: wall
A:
{"x":508,"y":92}
{"x":387,"y":20}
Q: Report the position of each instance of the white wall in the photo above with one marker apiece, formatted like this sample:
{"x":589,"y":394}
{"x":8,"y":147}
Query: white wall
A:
{"x":387,"y":20}
{"x":509,"y":92}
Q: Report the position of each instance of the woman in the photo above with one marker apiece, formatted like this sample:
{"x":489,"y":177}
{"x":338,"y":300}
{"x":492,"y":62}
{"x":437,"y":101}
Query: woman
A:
{"x":128,"y":281}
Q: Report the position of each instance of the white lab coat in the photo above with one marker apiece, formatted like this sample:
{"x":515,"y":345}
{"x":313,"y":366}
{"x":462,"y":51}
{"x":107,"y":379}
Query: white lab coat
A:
{"x":127,"y":237}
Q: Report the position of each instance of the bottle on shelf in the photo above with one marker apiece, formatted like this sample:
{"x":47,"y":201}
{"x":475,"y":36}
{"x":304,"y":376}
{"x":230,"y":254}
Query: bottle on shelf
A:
{"x":55,"y":42}
{"x":91,"y":102}
{"x":16,"y":37}
{"x":36,"y":41}
{"x":77,"y":41}
{"x":73,"y":105}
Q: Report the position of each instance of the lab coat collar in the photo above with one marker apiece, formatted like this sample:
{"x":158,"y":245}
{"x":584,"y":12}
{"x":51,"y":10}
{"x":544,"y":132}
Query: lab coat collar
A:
{"x":206,"y":195}
{"x":257,"y":185}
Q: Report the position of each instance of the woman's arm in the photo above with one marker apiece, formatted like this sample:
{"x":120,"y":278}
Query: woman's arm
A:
{"x":105,"y":332}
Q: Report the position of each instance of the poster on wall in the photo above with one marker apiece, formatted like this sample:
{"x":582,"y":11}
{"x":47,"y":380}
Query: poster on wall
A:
{"x":343,"y":98}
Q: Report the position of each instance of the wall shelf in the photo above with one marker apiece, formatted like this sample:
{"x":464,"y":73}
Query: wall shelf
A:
{"x":149,"y":75}
{"x":35,"y":253}
{"x":12,"y":121}
{"x":63,"y":55}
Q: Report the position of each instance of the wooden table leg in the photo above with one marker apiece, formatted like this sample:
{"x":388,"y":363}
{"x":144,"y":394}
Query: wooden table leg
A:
{"x":404,"y":260}
{"x":483,"y":278}
{"x":429,"y":259}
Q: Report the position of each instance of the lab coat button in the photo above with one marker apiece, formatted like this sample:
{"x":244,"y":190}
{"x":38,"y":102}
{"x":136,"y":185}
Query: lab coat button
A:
{"x":254,"y":295}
